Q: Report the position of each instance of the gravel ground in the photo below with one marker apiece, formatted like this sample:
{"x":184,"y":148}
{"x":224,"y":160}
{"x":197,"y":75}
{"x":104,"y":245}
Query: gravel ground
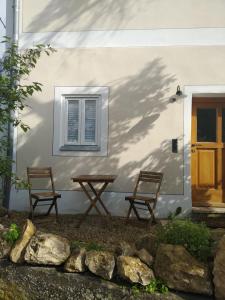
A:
{"x":102,"y":230}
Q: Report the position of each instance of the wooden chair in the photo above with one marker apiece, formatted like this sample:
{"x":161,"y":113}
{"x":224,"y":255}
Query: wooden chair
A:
{"x":50,"y":196}
{"x":137,"y":201}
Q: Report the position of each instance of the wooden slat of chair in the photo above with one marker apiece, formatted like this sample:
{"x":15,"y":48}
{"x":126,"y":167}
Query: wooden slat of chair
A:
{"x":50,"y":196}
{"x":136,"y":200}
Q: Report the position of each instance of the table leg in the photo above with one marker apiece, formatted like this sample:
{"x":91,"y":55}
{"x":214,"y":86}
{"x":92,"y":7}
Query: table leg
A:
{"x":93,"y":201}
{"x":89,"y":197}
{"x":99,"y":194}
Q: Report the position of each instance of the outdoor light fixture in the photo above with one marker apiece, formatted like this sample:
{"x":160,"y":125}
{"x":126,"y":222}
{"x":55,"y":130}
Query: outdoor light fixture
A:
{"x":179,"y":94}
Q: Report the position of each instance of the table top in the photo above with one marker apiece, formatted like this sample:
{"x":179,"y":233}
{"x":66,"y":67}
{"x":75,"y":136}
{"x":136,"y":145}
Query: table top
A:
{"x":94,"y":178}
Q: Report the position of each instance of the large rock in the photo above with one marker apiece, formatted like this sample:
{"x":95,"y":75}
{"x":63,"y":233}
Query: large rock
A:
{"x":181,"y":271}
{"x":144,"y":256}
{"x":101,"y":263}
{"x":124,"y":248}
{"x":219,"y":270}
{"x":216,"y":236}
{"x":17,"y":252}
{"x":47,"y":249}
{"x":133,"y":270}
{"x":76,"y":262}
{"x":147,"y":242}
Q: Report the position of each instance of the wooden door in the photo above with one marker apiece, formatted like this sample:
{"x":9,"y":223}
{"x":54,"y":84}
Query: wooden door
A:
{"x":207,"y":152}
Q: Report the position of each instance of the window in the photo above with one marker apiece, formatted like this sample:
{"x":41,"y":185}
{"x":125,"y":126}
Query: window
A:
{"x":80,"y":121}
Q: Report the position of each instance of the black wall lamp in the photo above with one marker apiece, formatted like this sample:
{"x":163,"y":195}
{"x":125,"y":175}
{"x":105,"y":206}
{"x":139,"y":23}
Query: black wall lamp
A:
{"x":179,"y":94}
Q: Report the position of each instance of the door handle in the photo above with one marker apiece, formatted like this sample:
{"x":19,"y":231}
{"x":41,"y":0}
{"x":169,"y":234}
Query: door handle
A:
{"x":195,"y":145}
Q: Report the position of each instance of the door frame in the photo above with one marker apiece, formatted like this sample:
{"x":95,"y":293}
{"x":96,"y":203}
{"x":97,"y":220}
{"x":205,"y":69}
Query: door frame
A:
{"x":194,"y":91}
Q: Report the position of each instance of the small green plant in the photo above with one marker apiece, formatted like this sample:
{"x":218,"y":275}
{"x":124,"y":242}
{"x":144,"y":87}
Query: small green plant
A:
{"x":12,"y":234}
{"x":136,"y":290}
{"x":94,"y":246}
{"x":88,"y":246}
{"x":194,"y":237}
{"x":155,"y":286}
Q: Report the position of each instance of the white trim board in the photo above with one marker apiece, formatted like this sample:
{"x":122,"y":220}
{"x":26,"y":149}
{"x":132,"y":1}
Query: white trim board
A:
{"x":126,"y":38}
{"x":74,"y":202}
{"x":190,"y":92}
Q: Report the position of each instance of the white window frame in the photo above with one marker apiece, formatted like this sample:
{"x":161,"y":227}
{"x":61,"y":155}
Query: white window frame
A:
{"x":60,"y":145}
{"x":81,"y":129}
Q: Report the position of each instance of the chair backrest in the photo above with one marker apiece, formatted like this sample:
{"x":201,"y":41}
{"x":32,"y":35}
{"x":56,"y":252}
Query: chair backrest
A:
{"x":149,"y":177}
{"x":39,"y":173}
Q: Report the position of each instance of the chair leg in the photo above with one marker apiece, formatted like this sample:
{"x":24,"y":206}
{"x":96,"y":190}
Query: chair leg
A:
{"x":50,"y":208}
{"x":56,"y":210}
{"x":152,"y":218}
{"x":32,"y":208}
{"x":129,"y":212}
{"x":136,"y":212}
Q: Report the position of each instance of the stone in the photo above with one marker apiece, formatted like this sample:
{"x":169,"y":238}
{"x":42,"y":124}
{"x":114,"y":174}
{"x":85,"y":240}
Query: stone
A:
{"x":219,"y":270}
{"x":76,"y":262}
{"x":144,"y":256}
{"x":124,"y":248}
{"x":216,"y":236}
{"x":147,"y":242}
{"x":47,"y":249}
{"x":18,"y":250}
{"x":133,"y":270}
{"x":181,"y":271}
{"x":101,"y":263}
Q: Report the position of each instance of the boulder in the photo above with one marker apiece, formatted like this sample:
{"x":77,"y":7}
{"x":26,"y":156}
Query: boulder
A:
{"x":219,"y":270}
{"x":147,"y":242}
{"x":76,"y":262}
{"x":133,"y":270}
{"x":124,"y":248}
{"x":17,"y":252}
{"x":181,"y":271}
{"x":47,"y":249}
{"x":216,"y":236}
{"x":101,"y":263}
{"x":144,"y":256}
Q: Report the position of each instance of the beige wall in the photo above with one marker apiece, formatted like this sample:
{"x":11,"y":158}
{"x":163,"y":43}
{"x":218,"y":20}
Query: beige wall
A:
{"x":76,"y":15}
{"x":142,"y":121}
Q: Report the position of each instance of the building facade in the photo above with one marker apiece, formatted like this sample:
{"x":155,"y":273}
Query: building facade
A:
{"x":107,"y":105}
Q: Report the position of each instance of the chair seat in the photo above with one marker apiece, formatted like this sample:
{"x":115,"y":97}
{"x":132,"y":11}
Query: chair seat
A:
{"x":45,"y":195}
{"x":139,"y":197}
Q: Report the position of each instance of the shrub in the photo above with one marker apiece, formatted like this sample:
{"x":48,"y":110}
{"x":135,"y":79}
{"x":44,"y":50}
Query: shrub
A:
{"x":12,"y":234}
{"x":194,"y":237}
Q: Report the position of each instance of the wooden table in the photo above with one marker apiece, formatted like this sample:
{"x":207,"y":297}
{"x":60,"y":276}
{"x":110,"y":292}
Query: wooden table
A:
{"x":96,"y":197}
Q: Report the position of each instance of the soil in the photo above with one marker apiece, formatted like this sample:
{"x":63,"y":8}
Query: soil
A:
{"x":102,"y":230}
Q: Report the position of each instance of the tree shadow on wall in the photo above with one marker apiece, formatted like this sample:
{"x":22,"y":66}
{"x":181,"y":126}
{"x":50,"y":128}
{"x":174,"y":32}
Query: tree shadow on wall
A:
{"x":136,"y":106}
{"x":90,"y":13}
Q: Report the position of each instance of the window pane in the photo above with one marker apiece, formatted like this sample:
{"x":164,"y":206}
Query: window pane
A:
{"x":206,"y":125}
{"x":90,"y":121}
{"x":73,"y":121}
{"x":223,"y":125}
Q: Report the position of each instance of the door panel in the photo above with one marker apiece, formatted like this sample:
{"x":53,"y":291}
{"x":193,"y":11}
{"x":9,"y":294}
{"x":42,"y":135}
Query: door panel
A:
{"x":207,"y":151}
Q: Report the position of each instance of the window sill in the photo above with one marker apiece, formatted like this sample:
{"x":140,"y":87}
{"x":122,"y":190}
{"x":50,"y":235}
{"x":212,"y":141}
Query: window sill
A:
{"x":88,"y":148}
